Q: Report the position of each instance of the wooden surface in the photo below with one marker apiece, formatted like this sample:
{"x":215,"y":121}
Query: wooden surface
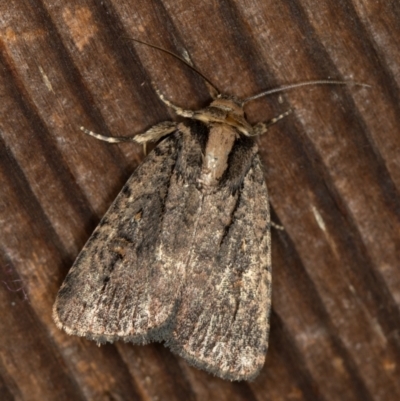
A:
{"x":332,"y":169}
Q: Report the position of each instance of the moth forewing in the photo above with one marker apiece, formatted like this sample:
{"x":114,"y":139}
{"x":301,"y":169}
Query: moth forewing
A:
{"x":222,"y":322}
{"x":119,"y":287}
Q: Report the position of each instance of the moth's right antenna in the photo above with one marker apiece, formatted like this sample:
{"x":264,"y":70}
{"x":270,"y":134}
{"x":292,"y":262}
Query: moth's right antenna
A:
{"x":182,"y":60}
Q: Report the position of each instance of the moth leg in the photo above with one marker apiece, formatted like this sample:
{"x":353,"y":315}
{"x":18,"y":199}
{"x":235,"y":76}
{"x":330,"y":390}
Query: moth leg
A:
{"x":277,"y":226}
{"x":178,"y":110}
{"x":151,"y":135}
{"x":156,"y":132}
{"x":262,"y":128}
{"x":110,"y":139}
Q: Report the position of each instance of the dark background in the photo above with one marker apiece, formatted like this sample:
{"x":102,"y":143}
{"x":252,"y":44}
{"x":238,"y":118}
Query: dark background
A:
{"x":332,"y":168}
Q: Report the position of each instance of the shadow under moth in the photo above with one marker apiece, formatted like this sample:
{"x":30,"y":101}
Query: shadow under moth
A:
{"x":183,"y":255}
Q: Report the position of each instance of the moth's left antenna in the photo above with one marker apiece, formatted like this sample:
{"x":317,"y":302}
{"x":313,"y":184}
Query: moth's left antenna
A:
{"x":182,"y":60}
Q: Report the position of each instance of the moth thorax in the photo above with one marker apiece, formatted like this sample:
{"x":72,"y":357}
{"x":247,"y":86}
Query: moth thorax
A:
{"x":221,"y":139}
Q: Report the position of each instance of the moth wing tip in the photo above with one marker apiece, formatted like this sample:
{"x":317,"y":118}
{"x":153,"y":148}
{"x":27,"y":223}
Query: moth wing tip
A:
{"x":246,"y":373}
{"x":56,"y":317}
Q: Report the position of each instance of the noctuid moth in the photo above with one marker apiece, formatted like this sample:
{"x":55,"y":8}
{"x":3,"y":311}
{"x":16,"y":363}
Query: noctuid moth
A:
{"x":183,"y":255}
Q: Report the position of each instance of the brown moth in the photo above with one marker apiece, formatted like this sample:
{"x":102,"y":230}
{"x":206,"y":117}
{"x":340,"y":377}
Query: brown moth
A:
{"x":183,"y":255}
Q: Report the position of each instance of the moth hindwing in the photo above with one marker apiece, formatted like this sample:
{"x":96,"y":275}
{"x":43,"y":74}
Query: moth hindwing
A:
{"x":183,"y":254}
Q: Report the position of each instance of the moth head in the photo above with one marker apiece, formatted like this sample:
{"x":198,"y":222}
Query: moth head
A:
{"x":230,"y":112}
{"x":228,"y":103}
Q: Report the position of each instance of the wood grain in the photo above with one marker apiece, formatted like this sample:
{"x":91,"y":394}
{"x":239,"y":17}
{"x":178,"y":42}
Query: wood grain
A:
{"x":332,"y":168}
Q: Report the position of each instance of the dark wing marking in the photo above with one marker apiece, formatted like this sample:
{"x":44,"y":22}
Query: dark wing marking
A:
{"x":126,"y":290}
{"x":222,"y":321}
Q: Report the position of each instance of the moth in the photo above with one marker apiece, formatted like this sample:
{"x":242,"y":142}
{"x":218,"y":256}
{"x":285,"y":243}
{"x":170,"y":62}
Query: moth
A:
{"x":183,"y":255}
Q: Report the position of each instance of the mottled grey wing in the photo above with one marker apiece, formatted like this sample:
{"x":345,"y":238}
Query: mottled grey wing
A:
{"x":119,"y":287}
{"x":222,"y":323}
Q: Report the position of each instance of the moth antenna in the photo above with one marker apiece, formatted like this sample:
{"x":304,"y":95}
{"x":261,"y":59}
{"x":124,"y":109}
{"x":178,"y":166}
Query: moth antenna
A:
{"x":182,"y":60}
{"x":306,"y":83}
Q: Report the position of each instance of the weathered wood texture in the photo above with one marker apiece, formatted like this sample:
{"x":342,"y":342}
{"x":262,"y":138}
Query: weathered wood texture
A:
{"x":332,"y":168}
